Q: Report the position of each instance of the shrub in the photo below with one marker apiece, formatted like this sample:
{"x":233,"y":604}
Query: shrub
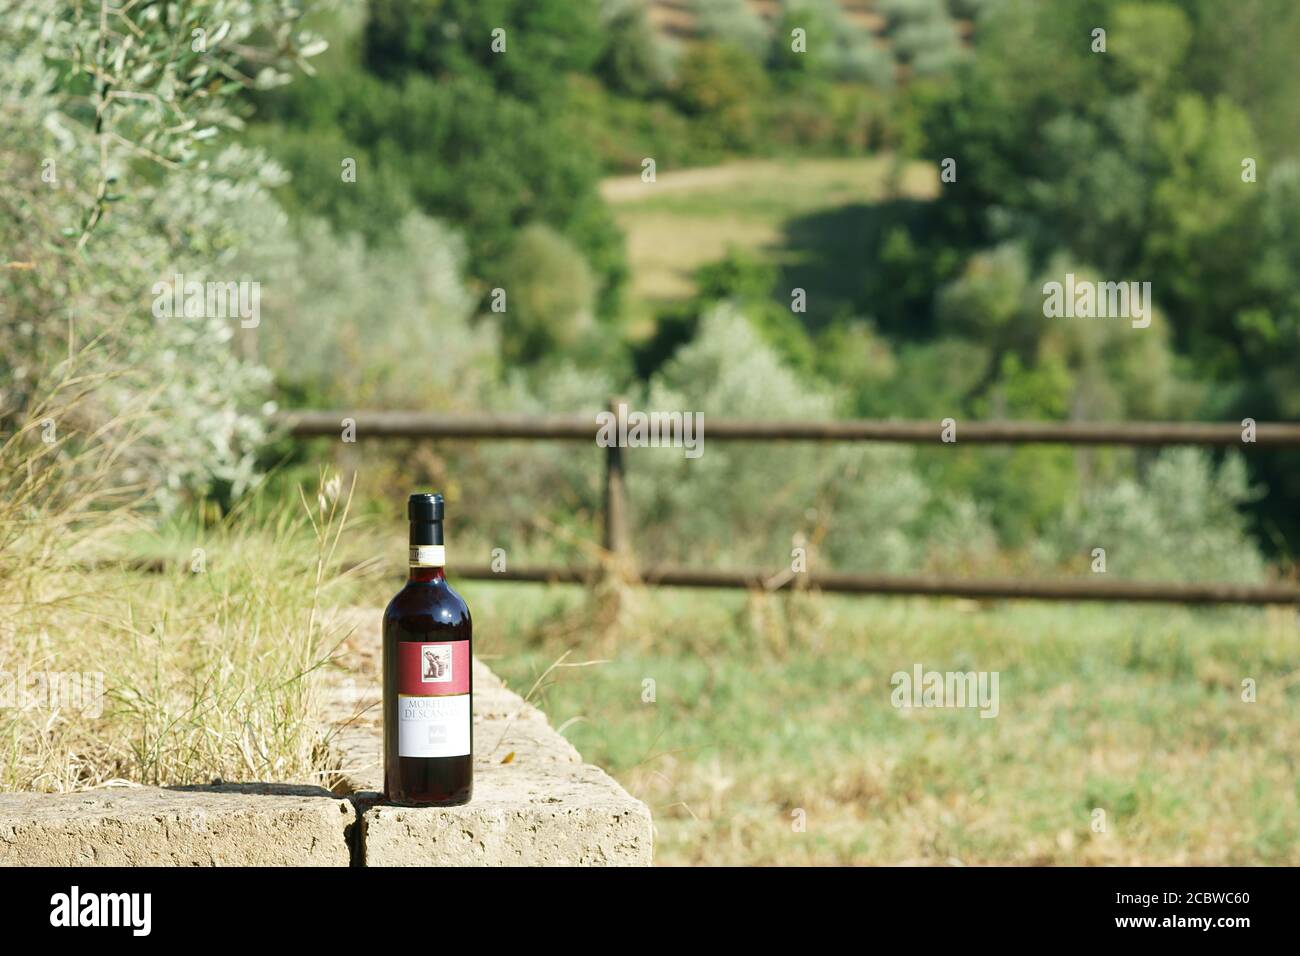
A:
{"x":621,"y":131}
{"x":972,"y":9}
{"x":487,"y":163}
{"x":1181,"y":521}
{"x":992,"y":300}
{"x":746,"y":504}
{"x":836,"y":48}
{"x":373,"y":205}
{"x":452,"y":144}
{"x":911,"y":11}
{"x":349,"y":318}
{"x":550,"y":293}
{"x":551,"y":505}
{"x":732,"y":22}
{"x":725,"y":89}
{"x":453,"y":39}
{"x":748,"y":281}
{"x":92,"y":241}
{"x":637,"y":59}
{"x":928,"y":47}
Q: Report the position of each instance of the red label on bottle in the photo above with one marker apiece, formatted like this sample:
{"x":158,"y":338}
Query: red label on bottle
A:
{"x":436,"y":669}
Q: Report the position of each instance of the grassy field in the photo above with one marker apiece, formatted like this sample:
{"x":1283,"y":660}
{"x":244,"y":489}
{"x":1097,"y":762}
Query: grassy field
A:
{"x":801,"y":214}
{"x":764,"y":706}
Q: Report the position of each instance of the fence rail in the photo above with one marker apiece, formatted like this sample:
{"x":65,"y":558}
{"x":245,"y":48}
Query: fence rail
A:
{"x":584,"y":428}
{"x":493,"y":427}
{"x":920,"y":585}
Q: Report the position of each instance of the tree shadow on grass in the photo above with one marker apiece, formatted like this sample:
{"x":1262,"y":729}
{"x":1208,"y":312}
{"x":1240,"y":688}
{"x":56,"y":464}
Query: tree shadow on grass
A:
{"x":835,"y":255}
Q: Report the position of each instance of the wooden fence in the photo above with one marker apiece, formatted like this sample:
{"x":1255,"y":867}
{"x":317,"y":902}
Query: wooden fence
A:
{"x":492,"y":427}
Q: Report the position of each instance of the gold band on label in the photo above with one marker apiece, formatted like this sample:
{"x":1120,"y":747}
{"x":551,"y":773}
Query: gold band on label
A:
{"x":428,"y":556}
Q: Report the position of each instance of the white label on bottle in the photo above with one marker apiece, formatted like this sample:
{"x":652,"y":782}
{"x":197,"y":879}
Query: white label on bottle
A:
{"x":428,"y":556}
{"x":433,"y":726}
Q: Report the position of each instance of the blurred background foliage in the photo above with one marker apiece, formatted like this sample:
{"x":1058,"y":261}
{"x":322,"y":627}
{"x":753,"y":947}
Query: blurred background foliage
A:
{"x":478,"y":173}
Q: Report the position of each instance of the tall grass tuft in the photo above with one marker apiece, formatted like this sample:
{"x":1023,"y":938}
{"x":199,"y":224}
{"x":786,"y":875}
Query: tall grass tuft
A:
{"x":110,"y":673}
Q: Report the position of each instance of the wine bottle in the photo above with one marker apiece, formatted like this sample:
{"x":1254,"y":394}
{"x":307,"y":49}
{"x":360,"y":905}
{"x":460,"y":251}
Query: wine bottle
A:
{"x":428,"y":680}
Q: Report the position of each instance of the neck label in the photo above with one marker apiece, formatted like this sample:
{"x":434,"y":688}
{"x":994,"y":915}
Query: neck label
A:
{"x":428,"y":556}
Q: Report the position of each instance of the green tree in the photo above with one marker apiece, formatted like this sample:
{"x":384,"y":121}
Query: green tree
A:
{"x":486,"y":163}
{"x":732,"y":22}
{"x":455,"y":38}
{"x":724,"y":88}
{"x":119,"y":173}
{"x":550,"y":294}
{"x":636,"y":59}
{"x":835,"y":48}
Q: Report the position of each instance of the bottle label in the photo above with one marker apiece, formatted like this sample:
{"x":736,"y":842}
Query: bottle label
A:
{"x":428,"y":556}
{"x":433,"y":699}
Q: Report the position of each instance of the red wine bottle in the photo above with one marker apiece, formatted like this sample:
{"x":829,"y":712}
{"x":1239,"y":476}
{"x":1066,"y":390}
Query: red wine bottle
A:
{"x":428,"y":681}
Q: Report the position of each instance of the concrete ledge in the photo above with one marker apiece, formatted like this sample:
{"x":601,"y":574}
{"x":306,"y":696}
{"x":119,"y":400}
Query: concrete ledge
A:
{"x":535,"y":802}
{"x":545,"y":817}
{"x":246,"y":825}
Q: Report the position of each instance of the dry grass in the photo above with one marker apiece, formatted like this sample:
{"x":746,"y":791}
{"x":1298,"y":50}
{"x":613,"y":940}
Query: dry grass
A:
{"x":771,"y":709}
{"x":206,"y":670}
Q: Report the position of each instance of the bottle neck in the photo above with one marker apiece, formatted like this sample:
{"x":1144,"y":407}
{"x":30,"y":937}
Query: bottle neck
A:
{"x":428,"y":556}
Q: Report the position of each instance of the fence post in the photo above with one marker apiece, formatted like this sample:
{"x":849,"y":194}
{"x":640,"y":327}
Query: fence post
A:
{"x":615,"y":499}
